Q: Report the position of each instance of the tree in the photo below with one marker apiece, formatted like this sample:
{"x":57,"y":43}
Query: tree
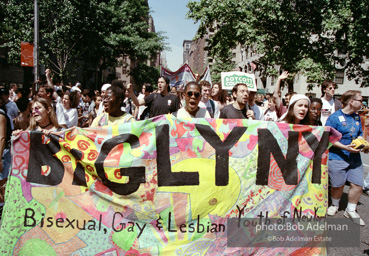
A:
{"x":91,"y":33}
{"x":299,"y":36}
{"x":142,"y":73}
{"x":221,"y":64}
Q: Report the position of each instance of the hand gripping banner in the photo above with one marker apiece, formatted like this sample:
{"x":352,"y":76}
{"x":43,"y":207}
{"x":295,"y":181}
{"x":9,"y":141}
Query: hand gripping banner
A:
{"x":163,"y":186}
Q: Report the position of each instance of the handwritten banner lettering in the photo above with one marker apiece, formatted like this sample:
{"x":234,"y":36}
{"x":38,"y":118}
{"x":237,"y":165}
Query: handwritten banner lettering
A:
{"x":164,"y":186}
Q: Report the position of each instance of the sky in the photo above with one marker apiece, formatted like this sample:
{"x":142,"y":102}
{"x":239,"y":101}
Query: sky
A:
{"x":170,"y":17}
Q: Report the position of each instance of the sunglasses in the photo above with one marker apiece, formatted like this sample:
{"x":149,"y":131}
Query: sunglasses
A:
{"x":197,"y":94}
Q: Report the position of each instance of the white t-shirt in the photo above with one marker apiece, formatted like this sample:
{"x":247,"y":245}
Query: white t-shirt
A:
{"x":270,"y":116}
{"x":201,"y":113}
{"x":71,"y":117}
{"x":68,"y":117}
{"x":140,"y":108}
{"x":328,"y":109}
{"x":208,"y":107}
{"x":60,"y":112}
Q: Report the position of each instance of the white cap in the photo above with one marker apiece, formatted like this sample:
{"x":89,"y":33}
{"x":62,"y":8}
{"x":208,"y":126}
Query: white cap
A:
{"x":297,"y":97}
{"x":293,"y":99}
{"x":105,"y":87}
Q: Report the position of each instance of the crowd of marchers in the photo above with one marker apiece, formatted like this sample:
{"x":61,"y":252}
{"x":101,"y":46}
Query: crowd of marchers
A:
{"x":53,"y":107}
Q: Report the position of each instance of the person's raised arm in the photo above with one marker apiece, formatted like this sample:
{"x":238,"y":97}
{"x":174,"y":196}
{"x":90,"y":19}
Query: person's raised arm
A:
{"x":137,"y":102}
{"x":277,"y":89}
{"x":49,"y":78}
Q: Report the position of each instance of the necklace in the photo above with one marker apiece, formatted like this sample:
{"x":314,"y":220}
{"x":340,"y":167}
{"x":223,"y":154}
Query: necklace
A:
{"x":43,"y":127}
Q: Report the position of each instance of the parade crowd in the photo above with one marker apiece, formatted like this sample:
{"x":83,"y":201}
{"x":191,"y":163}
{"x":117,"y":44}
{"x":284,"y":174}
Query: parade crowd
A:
{"x":54,"y":107}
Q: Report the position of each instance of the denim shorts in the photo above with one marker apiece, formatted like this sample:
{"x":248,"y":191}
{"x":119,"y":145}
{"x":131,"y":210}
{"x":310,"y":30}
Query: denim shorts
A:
{"x":7,"y":160}
{"x":341,"y":171}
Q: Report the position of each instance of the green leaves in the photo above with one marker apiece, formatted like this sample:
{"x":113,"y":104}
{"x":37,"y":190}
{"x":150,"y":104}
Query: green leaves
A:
{"x":74,"y":31}
{"x":299,"y":36}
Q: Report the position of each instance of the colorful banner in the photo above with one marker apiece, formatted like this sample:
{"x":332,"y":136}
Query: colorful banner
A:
{"x":163,"y":186}
{"x":230,"y":79}
{"x":206,"y":75}
{"x":184,"y":75}
{"x":180,"y":77}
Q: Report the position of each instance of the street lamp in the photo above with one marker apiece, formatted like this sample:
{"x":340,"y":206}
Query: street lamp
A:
{"x":36,"y":43}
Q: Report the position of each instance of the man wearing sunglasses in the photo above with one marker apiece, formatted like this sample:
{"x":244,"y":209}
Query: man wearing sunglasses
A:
{"x":345,"y":163}
{"x":330,"y":105}
{"x":238,"y":110}
{"x":192,"y":95}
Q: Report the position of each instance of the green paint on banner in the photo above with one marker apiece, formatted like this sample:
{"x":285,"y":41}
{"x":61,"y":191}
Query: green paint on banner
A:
{"x":125,"y":238}
{"x":43,"y":248}
{"x":198,"y":234}
{"x":12,"y":227}
{"x":56,"y":199}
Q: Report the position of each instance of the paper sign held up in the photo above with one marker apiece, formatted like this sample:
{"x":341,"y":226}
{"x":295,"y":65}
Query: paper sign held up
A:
{"x":230,"y":79}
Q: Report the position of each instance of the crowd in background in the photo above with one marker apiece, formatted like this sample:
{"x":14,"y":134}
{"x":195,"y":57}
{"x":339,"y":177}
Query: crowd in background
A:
{"x":54,"y":107}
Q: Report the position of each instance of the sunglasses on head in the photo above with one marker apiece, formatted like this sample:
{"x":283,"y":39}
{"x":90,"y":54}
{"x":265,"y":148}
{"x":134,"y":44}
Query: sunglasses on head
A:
{"x":197,"y":94}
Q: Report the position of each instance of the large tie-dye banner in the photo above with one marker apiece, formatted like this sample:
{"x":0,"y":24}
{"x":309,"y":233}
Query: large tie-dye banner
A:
{"x":180,"y":77}
{"x":184,"y":75}
{"x":163,"y":186}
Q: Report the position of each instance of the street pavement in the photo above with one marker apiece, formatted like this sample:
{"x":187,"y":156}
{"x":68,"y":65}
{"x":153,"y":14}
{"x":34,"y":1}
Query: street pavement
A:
{"x":363,"y":210}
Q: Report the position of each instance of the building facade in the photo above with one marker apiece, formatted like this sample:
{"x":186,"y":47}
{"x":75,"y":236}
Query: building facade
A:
{"x":186,"y":50}
{"x":125,"y":64}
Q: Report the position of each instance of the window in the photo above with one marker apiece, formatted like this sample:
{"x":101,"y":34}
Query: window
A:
{"x":340,"y":75}
{"x":124,"y":70}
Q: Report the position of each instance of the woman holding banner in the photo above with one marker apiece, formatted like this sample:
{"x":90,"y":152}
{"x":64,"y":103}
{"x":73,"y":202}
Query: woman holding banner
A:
{"x":298,"y":109}
{"x":113,"y":103}
{"x":43,"y":117}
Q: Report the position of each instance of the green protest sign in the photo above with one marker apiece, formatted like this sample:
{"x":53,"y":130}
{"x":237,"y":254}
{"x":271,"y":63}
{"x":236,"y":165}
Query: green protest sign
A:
{"x":230,"y":79}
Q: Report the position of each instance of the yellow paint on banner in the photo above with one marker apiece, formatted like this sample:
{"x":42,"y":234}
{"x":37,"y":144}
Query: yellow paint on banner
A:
{"x":202,"y":197}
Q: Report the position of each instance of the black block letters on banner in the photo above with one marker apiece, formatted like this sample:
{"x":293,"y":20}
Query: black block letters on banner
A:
{"x":79,"y":177}
{"x":268,"y":145}
{"x":319,"y":147}
{"x":136,"y":174}
{"x":165,"y":175}
{"x":221,"y":150}
{"x":43,"y":155}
